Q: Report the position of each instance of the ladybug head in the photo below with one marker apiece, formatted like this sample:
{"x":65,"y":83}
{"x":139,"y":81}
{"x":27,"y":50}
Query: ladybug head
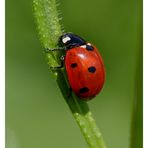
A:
{"x":70,"y":40}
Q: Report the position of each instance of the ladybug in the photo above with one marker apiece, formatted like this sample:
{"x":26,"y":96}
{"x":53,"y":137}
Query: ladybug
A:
{"x":84,"y":66}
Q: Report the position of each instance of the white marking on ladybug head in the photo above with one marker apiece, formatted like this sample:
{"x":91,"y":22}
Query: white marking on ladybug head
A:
{"x":66,"y":39}
{"x":83,"y":46}
{"x":89,"y":44}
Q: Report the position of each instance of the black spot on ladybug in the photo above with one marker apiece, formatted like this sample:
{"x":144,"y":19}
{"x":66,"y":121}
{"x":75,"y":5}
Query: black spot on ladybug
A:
{"x":92,"y":69}
{"x":83,"y":90}
{"x":73,"y":65}
{"x":89,"y":47}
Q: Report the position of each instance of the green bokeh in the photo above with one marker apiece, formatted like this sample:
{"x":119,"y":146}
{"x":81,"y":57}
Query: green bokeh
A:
{"x":36,"y":114}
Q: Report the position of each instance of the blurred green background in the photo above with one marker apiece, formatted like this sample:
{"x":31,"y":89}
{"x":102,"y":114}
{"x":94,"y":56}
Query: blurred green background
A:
{"x":36,"y":113}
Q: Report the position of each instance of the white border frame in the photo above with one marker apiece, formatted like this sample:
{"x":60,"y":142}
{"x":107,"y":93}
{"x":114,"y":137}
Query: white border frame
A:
{"x":145,"y":73}
{"x":2,"y":74}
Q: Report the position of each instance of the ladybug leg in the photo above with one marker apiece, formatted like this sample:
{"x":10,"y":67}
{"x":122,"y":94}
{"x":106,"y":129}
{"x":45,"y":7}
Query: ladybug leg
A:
{"x":57,"y":67}
{"x":48,"y":50}
{"x":61,"y":65}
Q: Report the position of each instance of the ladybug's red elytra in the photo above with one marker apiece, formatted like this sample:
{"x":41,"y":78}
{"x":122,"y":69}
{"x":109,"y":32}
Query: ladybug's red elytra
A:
{"x":84,"y":66}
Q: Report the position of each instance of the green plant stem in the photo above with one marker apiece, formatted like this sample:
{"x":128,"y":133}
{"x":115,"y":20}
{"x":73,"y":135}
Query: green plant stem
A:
{"x":82,"y":115}
{"x":49,"y":30}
